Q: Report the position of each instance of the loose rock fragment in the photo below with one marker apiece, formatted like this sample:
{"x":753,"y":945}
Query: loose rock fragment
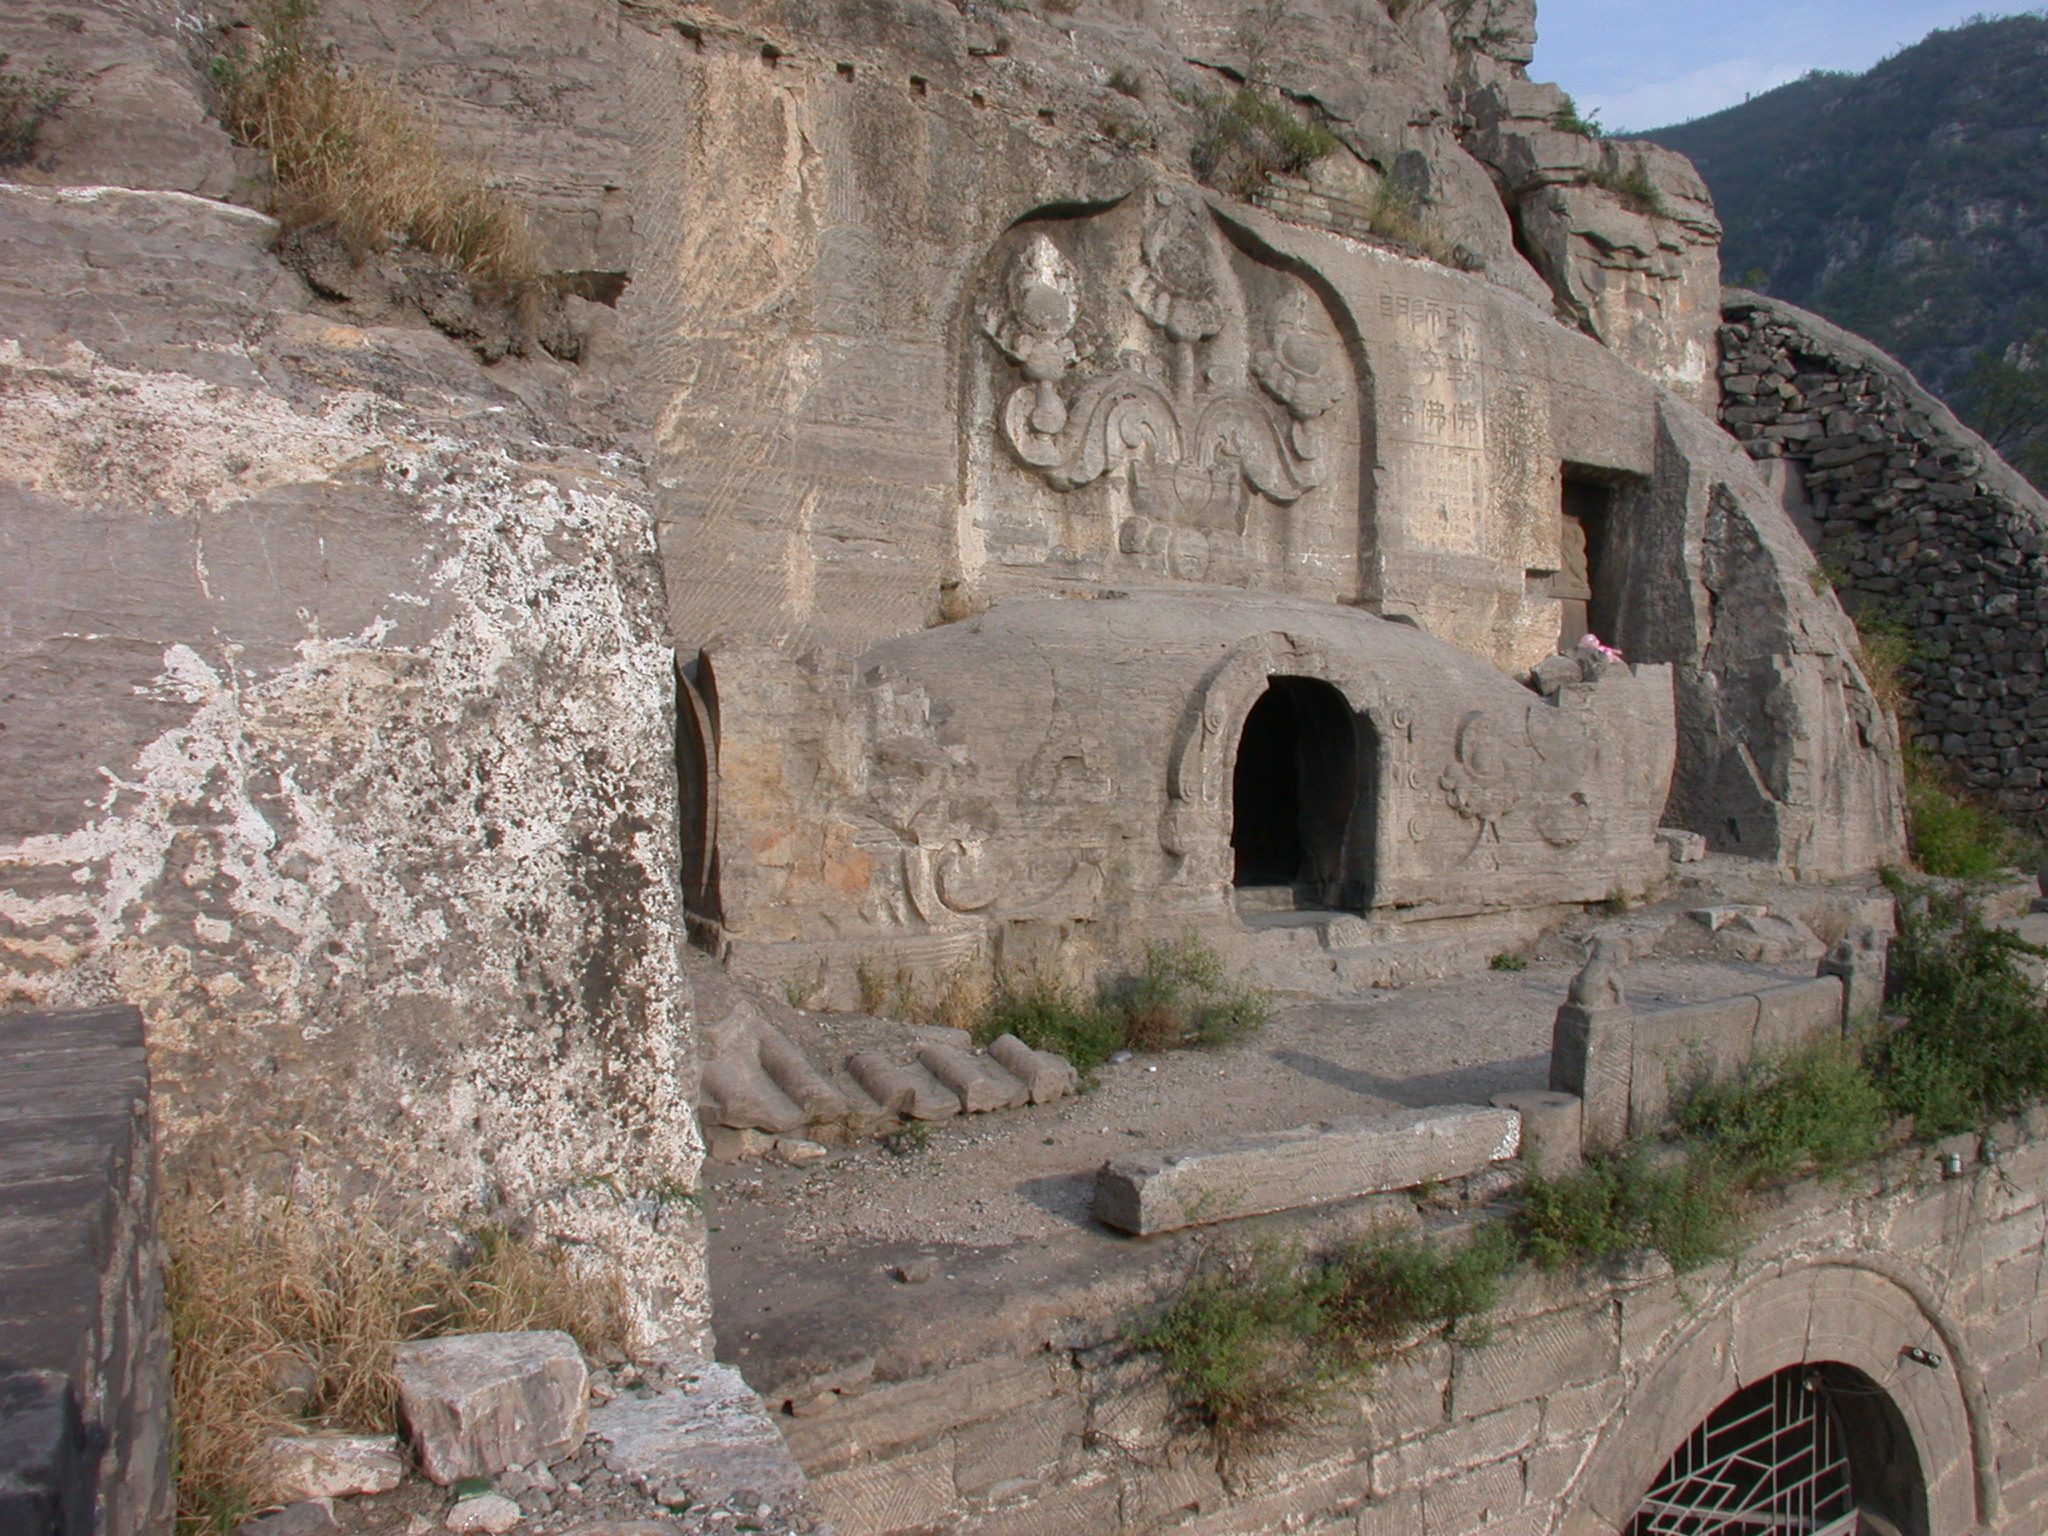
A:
{"x":475,"y":1404}
{"x":296,"y":1467}
{"x":489,"y":1513}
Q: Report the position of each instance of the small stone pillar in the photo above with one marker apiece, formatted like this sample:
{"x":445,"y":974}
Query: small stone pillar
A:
{"x":2041,"y":879}
{"x":1860,"y":961}
{"x":1592,"y":1050}
{"x":1552,"y":1124}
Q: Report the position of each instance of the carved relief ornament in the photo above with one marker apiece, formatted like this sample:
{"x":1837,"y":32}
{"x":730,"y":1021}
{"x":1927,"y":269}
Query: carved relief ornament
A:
{"x":1201,"y":433}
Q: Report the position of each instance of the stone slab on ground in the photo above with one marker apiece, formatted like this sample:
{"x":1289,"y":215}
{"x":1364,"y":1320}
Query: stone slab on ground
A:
{"x":477,"y":1403}
{"x":323,"y":1466}
{"x":1338,"y":1160}
{"x":713,"y":1436}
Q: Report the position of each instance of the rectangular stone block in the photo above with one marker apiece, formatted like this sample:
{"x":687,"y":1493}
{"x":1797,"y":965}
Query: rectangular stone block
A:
{"x":1160,"y":1192}
{"x":477,"y":1403}
{"x":1531,"y":1360}
{"x":1791,"y":1017}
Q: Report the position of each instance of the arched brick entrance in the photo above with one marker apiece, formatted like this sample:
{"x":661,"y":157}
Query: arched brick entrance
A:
{"x":1848,"y":1318}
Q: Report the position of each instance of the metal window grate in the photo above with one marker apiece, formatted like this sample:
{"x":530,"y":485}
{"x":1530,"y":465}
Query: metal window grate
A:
{"x":1768,"y":1462}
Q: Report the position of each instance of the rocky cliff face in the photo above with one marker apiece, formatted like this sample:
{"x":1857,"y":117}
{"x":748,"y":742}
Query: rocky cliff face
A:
{"x":336,"y":657}
{"x":337,"y":732}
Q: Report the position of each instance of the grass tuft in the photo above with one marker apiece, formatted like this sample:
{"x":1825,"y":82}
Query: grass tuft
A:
{"x":1632,"y":186}
{"x":347,"y":154}
{"x":287,"y":1320}
{"x":26,"y":103}
{"x":1050,"y":1017}
{"x":1953,"y":836}
{"x":1971,"y":1040}
{"x":1257,"y":1341}
{"x":1243,"y":138}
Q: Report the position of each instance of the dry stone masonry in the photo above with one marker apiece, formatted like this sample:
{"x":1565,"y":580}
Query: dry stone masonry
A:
{"x":1918,"y":523}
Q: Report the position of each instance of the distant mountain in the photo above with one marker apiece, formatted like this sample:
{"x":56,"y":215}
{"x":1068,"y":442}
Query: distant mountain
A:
{"x":1909,"y":204}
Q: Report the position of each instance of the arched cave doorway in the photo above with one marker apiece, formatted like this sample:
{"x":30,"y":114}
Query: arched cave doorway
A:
{"x":1297,"y":794}
{"x":1817,"y":1448}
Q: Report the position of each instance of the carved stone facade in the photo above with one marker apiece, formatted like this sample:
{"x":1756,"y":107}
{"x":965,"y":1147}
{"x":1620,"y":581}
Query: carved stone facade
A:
{"x":1194,"y":410}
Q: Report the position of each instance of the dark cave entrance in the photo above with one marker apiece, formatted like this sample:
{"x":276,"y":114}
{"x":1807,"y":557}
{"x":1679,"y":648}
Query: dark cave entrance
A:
{"x":1296,"y":791}
{"x":1583,"y":584}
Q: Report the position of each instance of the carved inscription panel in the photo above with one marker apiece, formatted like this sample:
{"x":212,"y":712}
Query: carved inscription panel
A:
{"x":1434,"y":421}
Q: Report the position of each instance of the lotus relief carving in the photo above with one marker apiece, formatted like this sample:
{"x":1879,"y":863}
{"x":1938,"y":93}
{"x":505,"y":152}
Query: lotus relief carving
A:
{"x":1228,"y":411}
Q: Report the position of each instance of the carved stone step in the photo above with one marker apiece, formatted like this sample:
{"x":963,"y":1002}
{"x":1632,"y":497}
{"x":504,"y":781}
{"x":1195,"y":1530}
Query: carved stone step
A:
{"x":902,"y":1088}
{"x":980,"y":1083}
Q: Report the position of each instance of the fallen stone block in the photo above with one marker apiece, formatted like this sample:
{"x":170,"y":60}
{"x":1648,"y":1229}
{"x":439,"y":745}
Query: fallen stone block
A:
{"x":1044,"y":1074}
{"x":1159,"y":1192}
{"x":316,"y":1466}
{"x":747,"y":1097}
{"x":724,"y":1144}
{"x":902,"y":1089}
{"x":798,"y":1153}
{"x":474,"y":1404}
{"x":789,"y":1069}
{"x":981,"y":1084}
{"x":711,"y":1435}
{"x":1683,"y":846}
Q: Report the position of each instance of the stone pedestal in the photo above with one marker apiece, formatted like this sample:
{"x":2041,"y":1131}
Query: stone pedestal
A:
{"x":1552,"y":1126}
{"x":1860,"y":960}
{"x":1592,"y":1051}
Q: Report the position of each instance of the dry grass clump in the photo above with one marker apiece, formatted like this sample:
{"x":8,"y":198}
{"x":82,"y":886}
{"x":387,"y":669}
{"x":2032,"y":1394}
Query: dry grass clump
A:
{"x":287,"y":1320}
{"x":348,"y":155}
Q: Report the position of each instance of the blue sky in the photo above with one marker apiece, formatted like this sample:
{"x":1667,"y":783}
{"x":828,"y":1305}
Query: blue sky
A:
{"x":1650,"y":63}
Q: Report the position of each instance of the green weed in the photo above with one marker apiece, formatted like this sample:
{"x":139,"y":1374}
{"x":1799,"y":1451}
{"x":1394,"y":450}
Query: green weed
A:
{"x":1688,"y":1209}
{"x":1971,"y":1039}
{"x":1633,"y":187}
{"x":1181,"y":996}
{"x":1256,"y":1341}
{"x":1953,"y":836}
{"x":1050,"y":1017}
{"x":1819,"y":1108}
{"x":1507,"y":962}
{"x":1567,"y":119}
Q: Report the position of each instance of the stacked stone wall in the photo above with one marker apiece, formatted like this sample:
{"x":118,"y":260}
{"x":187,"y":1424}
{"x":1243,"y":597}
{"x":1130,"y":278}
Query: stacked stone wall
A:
{"x":1553,"y":1424}
{"x":1924,"y":525}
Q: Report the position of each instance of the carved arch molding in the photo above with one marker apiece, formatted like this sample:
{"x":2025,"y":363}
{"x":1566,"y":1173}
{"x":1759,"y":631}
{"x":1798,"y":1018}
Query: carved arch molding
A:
{"x":1859,"y":1312}
{"x":1140,"y":342}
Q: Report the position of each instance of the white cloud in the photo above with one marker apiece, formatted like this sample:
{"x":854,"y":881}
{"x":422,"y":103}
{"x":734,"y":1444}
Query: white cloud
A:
{"x":1707,"y":89}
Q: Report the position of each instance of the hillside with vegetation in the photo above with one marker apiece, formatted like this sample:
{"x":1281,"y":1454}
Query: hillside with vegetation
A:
{"x":1909,"y":204}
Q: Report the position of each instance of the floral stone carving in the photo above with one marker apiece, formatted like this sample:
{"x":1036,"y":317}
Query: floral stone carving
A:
{"x":1229,"y":411}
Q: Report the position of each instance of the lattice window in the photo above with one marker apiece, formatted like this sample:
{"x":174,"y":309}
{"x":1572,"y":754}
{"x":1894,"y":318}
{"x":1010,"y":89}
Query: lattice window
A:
{"x":1770,"y":1460}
